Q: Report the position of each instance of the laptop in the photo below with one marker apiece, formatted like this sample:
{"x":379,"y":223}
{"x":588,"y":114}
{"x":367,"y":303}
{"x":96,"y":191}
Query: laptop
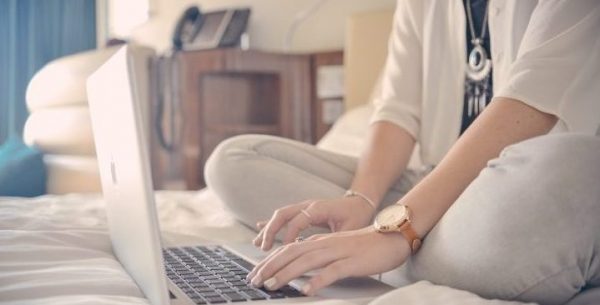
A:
{"x":171,"y":274}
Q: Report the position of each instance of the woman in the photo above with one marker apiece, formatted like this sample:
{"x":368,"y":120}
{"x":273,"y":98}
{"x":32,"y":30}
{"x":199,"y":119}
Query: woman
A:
{"x":519,"y":206}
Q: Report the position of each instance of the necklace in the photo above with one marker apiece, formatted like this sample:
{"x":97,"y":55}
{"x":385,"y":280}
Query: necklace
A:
{"x":478,"y":68}
{"x":478,"y":65}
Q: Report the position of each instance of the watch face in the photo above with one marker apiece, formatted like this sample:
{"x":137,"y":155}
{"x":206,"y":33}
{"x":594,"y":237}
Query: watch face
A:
{"x":392,"y":215}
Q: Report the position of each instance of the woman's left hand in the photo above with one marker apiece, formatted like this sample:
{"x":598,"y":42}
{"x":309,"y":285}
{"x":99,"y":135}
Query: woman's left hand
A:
{"x":339,"y":255}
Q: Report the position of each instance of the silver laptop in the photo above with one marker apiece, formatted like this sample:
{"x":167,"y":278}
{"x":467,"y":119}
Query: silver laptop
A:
{"x":182,"y":274}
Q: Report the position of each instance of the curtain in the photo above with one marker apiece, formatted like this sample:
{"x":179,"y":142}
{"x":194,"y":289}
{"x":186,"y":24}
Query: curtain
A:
{"x":32,"y":33}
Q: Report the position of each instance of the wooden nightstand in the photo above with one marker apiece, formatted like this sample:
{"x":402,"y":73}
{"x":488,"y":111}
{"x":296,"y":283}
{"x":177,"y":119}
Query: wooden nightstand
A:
{"x":229,"y":92}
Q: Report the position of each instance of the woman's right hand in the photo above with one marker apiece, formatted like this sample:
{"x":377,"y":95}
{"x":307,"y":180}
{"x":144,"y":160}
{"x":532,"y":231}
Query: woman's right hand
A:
{"x":340,"y":214}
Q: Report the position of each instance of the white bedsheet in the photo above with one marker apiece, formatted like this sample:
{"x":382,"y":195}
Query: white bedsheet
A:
{"x":56,"y":250}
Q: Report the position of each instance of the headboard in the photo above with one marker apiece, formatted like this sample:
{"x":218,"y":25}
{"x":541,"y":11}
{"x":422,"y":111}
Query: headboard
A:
{"x":365,"y":54}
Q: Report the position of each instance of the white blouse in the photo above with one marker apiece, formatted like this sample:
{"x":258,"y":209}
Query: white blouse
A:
{"x":545,"y":53}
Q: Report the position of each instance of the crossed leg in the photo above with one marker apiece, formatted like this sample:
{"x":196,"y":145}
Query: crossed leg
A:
{"x":527,"y":228}
{"x":256,"y":174}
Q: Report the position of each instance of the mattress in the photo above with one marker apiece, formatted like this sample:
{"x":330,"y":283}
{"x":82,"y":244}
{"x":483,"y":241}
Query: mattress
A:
{"x":56,"y":250}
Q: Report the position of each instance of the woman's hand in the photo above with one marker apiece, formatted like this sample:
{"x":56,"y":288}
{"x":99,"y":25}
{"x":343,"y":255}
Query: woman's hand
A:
{"x":340,"y":255}
{"x":341,"y":214}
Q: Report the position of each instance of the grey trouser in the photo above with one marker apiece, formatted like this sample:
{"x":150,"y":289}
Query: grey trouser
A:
{"x":527,"y":228}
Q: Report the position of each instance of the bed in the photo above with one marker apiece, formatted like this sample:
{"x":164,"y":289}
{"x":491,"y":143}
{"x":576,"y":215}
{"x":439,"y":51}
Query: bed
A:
{"x":55,"y":249}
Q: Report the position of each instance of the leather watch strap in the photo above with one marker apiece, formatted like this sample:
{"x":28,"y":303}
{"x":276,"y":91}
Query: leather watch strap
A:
{"x":411,"y":236}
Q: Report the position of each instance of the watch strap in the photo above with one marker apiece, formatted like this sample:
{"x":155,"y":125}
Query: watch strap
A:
{"x":414,"y":241}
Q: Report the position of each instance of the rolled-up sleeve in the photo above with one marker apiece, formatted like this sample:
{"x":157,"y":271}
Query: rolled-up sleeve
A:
{"x":557,"y":68}
{"x":399,"y":98}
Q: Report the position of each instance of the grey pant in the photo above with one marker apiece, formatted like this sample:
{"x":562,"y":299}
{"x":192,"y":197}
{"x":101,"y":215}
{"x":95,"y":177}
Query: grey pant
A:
{"x":527,"y":228}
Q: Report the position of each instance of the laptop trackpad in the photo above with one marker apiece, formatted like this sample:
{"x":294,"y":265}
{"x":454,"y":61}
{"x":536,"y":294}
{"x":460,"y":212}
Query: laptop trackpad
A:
{"x":346,"y":289}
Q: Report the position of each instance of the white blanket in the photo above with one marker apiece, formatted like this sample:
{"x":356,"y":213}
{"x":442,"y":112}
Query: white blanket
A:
{"x":56,"y":250}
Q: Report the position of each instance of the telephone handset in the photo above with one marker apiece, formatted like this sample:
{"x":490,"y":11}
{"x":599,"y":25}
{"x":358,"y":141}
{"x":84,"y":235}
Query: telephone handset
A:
{"x":196,"y":30}
{"x":187,"y":27}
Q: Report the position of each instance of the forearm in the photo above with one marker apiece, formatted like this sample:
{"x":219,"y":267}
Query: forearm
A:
{"x":504,"y":122}
{"x":383,"y":160}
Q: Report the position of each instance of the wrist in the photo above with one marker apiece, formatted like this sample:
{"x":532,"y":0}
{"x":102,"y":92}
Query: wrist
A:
{"x":363,"y":197}
{"x":397,"y":241}
{"x":398,"y":219}
{"x":359,"y":206}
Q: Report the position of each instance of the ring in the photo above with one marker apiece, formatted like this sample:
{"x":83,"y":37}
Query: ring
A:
{"x":299,"y":239}
{"x":305,"y":212}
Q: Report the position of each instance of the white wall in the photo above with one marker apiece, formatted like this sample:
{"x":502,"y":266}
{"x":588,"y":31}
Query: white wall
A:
{"x":269,"y":22}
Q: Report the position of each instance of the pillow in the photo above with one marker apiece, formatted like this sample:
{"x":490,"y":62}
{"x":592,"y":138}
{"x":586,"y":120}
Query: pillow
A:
{"x":22,"y":170}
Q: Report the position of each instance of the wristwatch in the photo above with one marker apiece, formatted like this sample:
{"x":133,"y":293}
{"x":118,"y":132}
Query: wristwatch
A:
{"x":397,"y":218}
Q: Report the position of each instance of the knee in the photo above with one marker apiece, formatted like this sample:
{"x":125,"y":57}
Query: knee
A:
{"x":555,"y":149}
{"x":560,"y":168}
{"x":226,"y":161}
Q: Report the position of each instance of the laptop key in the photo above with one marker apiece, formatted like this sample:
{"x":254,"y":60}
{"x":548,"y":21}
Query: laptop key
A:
{"x":199,"y":301}
{"x":254,"y":294}
{"x":246,"y":265}
{"x":210,"y":294}
{"x":227,"y":290}
{"x":239,"y":284}
{"x":199,"y":285}
{"x":290,"y":292}
{"x":215,"y":299}
{"x":234,"y":296}
{"x":205,"y":289}
{"x":221,"y":286}
{"x":275,"y":294}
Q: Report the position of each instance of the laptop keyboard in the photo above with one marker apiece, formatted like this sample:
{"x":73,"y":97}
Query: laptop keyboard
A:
{"x":212,"y":275}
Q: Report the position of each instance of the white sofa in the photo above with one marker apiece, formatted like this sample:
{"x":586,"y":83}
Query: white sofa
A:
{"x":59,"y":122}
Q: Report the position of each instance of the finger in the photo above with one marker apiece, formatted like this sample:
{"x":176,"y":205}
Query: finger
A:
{"x":300,"y":222}
{"x":257,"y":267}
{"x":261,"y":224}
{"x":280,"y":217}
{"x":287,"y":254}
{"x":335,"y":271}
{"x":314,"y":215}
{"x":274,"y":252}
{"x":258,"y":239}
{"x":316,"y":237}
{"x":252,"y":276}
{"x":306,"y":262}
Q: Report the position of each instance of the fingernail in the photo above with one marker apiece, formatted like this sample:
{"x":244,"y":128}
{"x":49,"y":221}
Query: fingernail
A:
{"x":306,"y":289}
{"x":256,"y":281}
{"x":250,"y":275}
{"x":270,"y":283}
